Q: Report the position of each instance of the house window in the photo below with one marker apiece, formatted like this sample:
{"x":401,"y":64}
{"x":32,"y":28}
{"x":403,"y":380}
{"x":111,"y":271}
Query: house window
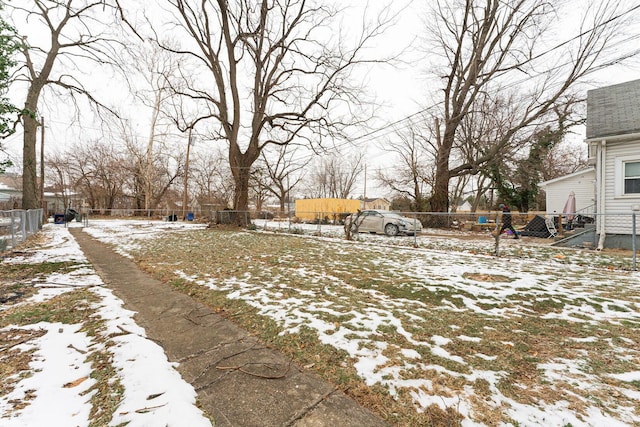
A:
{"x":632,"y":178}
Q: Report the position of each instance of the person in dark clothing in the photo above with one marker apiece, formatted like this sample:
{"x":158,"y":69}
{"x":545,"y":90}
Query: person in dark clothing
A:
{"x":506,"y":221}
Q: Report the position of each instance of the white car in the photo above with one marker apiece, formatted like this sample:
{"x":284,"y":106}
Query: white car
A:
{"x":384,"y":222}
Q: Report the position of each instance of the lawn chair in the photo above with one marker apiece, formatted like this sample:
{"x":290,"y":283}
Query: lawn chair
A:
{"x":551,"y":227}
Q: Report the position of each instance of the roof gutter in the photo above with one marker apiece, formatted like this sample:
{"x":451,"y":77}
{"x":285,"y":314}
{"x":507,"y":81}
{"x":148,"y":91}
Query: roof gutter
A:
{"x":615,"y":138}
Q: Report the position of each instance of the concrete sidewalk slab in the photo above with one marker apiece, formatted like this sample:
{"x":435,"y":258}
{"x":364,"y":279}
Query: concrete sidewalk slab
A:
{"x":239,"y":381}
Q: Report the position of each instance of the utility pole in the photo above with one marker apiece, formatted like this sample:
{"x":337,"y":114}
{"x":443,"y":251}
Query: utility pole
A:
{"x":43,"y":203}
{"x":185,"y":200}
{"x":364,"y":196}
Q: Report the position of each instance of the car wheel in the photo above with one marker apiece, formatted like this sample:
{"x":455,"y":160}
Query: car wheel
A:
{"x":391,"y":230}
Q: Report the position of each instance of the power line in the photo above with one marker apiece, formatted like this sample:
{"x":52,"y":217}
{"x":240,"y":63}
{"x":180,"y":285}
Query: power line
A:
{"x":584,"y":33}
{"x":404,"y":122}
{"x":524,"y":80}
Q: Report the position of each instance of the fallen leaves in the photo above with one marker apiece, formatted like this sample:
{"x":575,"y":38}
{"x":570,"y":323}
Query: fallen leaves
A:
{"x":75,"y":383}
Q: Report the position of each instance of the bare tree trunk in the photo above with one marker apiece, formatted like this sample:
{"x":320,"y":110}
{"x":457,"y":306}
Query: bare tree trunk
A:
{"x":482,"y":188}
{"x":241,"y":197}
{"x":29,"y":176}
{"x":439,"y":201}
{"x":241,"y":170}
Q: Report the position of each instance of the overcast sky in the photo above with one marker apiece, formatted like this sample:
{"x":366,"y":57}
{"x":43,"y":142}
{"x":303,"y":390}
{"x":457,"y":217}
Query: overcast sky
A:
{"x":401,"y":90}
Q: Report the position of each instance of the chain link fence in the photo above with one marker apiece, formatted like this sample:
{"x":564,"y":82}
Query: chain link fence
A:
{"x":618,"y":226}
{"x":581,"y":230}
{"x":17,"y":225}
{"x":578,"y":231}
{"x":529,"y":224}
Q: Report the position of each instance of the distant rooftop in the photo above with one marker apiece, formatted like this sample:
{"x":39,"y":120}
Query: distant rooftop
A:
{"x":613,"y":110}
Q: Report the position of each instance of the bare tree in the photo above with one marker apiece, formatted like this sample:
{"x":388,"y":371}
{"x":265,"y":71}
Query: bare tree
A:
{"x":343,"y":173}
{"x":213,"y":180}
{"x":497,"y":45}
{"x":99,"y":173}
{"x":412,"y":174}
{"x":155,"y":68}
{"x":93,"y":171}
{"x":258,"y":185}
{"x":564,"y":158}
{"x":479,"y":143}
{"x":59,"y":174}
{"x":77,"y":34}
{"x":165,"y":168}
{"x":270,"y":73}
{"x":335,"y":175}
{"x":283,"y":173}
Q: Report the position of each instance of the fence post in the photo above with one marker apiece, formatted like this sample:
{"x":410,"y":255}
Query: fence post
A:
{"x":23,"y":225}
{"x":497,"y":235}
{"x":13,"y":229}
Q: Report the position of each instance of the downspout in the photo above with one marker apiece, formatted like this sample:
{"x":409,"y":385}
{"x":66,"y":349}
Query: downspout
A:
{"x":602,"y":158}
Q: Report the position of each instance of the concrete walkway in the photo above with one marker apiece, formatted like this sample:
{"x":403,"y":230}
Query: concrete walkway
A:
{"x":239,"y":381}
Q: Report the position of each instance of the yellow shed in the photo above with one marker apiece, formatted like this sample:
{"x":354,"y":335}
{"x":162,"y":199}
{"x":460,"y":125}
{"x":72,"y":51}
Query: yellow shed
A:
{"x":314,"y":209}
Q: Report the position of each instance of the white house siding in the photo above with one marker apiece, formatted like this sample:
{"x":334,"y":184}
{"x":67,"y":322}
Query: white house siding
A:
{"x":617,"y":208}
{"x":557,"y":190}
{"x":381,"y":204}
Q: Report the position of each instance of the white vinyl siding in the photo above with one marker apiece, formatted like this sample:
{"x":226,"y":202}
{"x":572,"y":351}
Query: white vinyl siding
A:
{"x":622,"y":158}
{"x":581,"y":183}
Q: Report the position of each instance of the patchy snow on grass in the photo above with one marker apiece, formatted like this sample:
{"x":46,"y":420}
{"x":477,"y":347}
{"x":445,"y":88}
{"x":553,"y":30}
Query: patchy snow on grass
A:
{"x":154,"y":392}
{"x":60,"y":246}
{"x":529,"y":283}
{"x":126,"y":236}
{"x":627,"y":376}
{"x":54,"y":393}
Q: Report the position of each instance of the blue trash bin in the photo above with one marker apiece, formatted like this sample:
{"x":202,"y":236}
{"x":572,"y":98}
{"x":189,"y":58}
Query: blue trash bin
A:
{"x":190,"y":216}
{"x":482,"y":220}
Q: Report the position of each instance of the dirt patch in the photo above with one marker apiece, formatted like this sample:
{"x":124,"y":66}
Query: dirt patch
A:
{"x":483,"y":277}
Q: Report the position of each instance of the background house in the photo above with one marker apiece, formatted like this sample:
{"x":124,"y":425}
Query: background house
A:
{"x":464,"y":207}
{"x":613,"y":137}
{"x":376,"y":203}
{"x":10,"y":194}
{"x":582,"y":183}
